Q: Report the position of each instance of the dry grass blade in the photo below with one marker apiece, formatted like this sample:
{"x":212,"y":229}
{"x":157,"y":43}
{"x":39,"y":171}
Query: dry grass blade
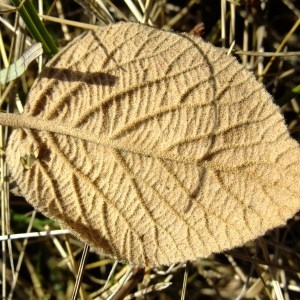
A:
{"x":80,"y":272}
{"x":16,"y":69}
{"x":185,"y":279}
{"x":98,"y":9}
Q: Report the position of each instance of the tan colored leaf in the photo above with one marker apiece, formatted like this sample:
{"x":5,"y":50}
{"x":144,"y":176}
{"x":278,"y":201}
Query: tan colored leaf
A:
{"x":154,"y":147}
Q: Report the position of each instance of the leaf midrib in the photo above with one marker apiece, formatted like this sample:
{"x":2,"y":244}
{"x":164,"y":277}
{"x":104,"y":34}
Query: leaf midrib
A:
{"x":34,"y":123}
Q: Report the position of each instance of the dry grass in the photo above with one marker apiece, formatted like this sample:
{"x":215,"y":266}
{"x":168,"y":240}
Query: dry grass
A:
{"x":265,"y":37}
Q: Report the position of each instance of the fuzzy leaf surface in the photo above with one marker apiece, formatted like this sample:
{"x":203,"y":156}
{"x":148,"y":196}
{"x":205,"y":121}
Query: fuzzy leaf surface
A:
{"x":155,"y":147}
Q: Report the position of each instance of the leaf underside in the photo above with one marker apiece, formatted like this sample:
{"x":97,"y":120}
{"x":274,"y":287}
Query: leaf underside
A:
{"x":155,"y":147}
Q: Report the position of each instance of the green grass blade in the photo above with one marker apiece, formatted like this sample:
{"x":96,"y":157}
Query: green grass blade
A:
{"x":35,"y":26}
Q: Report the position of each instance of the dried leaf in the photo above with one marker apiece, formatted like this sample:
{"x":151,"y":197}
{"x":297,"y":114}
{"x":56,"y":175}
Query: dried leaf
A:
{"x":154,"y":147}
